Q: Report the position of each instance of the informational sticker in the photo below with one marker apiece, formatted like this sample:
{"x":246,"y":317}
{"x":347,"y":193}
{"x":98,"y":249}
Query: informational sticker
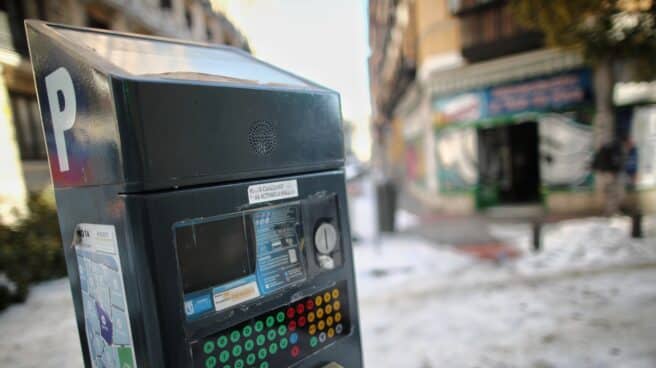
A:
{"x":107,"y":320}
{"x":272,"y":191}
{"x":278,"y":248}
{"x":234,"y":293}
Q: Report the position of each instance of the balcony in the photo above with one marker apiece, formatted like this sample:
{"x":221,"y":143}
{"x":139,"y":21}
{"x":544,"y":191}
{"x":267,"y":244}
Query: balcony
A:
{"x":492,"y":49}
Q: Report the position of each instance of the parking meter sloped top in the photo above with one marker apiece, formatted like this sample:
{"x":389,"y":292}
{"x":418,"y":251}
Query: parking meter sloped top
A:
{"x":154,"y":114}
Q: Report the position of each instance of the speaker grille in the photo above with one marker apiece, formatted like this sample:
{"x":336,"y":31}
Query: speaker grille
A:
{"x":262,"y":138}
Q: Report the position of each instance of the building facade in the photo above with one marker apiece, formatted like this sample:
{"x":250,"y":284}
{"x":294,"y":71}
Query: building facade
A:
{"x":489,"y":117}
{"x":23,"y":148}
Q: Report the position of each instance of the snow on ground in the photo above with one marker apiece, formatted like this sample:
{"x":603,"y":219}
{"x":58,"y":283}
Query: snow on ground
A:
{"x":41,"y":332}
{"x":587,"y":300}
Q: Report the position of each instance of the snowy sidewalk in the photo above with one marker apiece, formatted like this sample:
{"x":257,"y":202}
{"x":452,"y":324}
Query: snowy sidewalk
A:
{"x":588,"y":300}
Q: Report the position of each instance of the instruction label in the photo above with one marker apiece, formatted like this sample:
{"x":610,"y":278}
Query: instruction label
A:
{"x":278,"y":248}
{"x":272,"y":191}
{"x":107,"y":320}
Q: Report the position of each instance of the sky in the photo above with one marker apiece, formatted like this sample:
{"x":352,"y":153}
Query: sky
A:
{"x":325,"y":41}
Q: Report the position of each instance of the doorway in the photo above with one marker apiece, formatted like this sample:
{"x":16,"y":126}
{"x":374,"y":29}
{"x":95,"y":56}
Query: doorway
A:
{"x":508,"y":165}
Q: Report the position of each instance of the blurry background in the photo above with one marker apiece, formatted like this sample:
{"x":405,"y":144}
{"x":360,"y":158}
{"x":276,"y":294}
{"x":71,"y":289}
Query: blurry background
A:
{"x":501,"y":163}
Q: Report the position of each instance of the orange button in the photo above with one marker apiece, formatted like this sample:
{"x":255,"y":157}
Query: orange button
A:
{"x":335,"y":293}
{"x":318,"y":301}
{"x":320,"y":313}
{"x":321,"y":325}
{"x":329,"y":321}
{"x":326,"y":297}
{"x":312,"y":330}
{"x":338,"y":317}
{"x":331,"y":332}
{"x":328,"y":309}
{"x":310,"y":317}
{"x":337,"y":305}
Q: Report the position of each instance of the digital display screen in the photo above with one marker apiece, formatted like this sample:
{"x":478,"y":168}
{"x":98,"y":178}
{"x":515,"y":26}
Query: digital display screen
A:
{"x":214,"y":253}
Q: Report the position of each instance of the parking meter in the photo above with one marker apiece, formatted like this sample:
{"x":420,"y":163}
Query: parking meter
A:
{"x":202,"y":203}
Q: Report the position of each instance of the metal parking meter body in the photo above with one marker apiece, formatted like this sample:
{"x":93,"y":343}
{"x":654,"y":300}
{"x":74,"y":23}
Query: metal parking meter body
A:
{"x":202,"y":203}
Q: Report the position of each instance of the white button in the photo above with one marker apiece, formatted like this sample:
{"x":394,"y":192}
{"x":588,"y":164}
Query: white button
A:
{"x":326,"y":262}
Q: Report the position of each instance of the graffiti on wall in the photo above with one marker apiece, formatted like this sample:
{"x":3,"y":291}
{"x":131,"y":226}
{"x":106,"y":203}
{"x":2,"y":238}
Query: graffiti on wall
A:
{"x":469,"y":106}
{"x":456,"y":152}
{"x":566,"y":150}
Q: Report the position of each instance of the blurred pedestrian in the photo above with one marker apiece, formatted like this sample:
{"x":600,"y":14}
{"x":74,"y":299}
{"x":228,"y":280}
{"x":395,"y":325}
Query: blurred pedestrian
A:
{"x":609,"y":163}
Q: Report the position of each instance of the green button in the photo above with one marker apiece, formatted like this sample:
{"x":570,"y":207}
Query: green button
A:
{"x":236,"y":350}
{"x":259,"y":326}
{"x":226,"y":366}
{"x":249,"y":345}
{"x":208,"y":348}
{"x":273,"y":348}
{"x":222,"y":342}
{"x":210,"y":362}
{"x":247,"y":331}
{"x":250,"y":359}
{"x":280,"y":317}
{"x":282,"y":330}
{"x":260,"y":340}
{"x":313,"y":341}
{"x":224,"y":356}
{"x":234,"y":336}
{"x":270,"y":321}
{"x":262,"y":353}
{"x":239,"y":363}
{"x":283,"y":343}
{"x":271,"y":335}
{"x":264,"y":365}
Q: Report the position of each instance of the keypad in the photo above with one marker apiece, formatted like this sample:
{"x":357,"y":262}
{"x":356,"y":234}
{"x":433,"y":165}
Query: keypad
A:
{"x":281,"y":337}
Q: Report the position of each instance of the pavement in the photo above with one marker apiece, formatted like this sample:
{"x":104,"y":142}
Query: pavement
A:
{"x":587,"y":300}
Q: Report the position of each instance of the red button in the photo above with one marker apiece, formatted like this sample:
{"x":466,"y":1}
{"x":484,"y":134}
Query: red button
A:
{"x":290,"y":312}
{"x":309,"y":304}
{"x":295,"y":351}
{"x":292,"y":326}
{"x":301,"y":321}
{"x":300,"y":308}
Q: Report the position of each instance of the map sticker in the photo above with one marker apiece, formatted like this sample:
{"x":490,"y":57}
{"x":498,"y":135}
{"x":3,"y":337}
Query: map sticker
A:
{"x":107,"y":321}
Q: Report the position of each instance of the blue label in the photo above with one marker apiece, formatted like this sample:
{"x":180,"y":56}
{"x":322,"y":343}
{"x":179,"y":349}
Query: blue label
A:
{"x":198,"y":304}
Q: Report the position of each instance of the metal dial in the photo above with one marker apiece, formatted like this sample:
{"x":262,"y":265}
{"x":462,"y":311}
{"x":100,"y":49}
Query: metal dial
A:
{"x":325,"y":238}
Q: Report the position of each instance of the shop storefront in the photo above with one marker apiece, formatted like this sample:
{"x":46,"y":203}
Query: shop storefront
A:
{"x":516,"y":143}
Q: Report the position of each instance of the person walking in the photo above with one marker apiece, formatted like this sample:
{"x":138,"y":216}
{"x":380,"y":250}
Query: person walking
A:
{"x":608,"y":163}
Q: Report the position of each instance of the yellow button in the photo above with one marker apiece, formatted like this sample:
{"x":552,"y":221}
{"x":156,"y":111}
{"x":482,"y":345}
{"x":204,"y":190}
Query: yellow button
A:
{"x":329,"y":309}
{"x":312,"y":330}
{"x":326,"y":297}
{"x":321,"y":325}
{"x":310,"y":317}
{"x":329,"y":321}
{"x":318,"y":301}
{"x":320,"y":313}
{"x":337,"y":305}
{"x":331,"y":332}
{"x":335,"y":293}
{"x":338,"y":317}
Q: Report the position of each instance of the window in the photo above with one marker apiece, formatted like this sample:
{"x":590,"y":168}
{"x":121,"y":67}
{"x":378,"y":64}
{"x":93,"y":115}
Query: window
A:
{"x":27,"y":124}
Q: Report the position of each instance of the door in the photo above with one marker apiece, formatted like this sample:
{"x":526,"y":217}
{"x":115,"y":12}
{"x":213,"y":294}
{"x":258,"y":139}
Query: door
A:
{"x":509,"y":171}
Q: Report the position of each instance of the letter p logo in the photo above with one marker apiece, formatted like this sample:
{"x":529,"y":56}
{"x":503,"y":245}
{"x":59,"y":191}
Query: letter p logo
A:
{"x":61,"y":99}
